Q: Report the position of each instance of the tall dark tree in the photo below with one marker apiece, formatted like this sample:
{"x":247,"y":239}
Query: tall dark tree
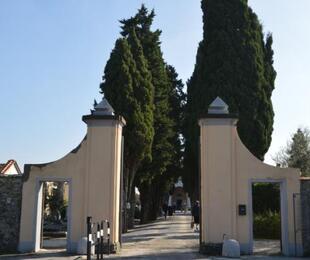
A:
{"x":159,"y":185}
{"x":127,"y":86}
{"x":151,"y":174}
{"x":236,"y":63}
{"x":177,"y":99}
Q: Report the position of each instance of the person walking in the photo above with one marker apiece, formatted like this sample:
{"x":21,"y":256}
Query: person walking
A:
{"x":165,"y":209}
{"x":196,"y":214}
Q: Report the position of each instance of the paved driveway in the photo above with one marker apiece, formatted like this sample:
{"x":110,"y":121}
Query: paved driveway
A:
{"x":164,"y":239}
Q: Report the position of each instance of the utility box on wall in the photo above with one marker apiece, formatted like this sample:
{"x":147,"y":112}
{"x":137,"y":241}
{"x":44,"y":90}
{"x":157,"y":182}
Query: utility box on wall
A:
{"x":242,"y":210}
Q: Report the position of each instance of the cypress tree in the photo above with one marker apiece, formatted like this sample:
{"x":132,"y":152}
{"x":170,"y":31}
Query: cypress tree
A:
{"x":177,"y":99}
{"x":234,"y":62}
{"x":154,"y":191}
{"x":162,"y":148}
{"x":127,"y":85}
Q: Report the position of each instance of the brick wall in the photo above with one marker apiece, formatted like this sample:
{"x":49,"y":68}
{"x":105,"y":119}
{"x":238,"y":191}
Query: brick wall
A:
{"x":305,"y":211}
{"x":10,"y":210}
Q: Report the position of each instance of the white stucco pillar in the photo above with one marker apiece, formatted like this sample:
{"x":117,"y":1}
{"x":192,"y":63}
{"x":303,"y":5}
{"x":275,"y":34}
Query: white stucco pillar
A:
{"x":218,"y":180}
{"x":103,"y":170}
{"x":218,"y":198}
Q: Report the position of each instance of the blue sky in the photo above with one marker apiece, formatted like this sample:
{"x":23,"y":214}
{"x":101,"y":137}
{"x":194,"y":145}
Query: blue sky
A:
{"x":52,"y":55}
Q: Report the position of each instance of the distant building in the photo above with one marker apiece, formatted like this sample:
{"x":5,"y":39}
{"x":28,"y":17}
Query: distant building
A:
{"x":179,"y":198}
{"x":9,"y":168}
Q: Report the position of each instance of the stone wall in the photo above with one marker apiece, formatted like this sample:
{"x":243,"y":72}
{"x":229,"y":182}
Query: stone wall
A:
{"x":305,"y":208}
{"x":10,"y":211}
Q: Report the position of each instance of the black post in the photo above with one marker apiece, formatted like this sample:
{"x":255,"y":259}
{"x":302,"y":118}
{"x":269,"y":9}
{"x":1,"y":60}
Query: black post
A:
{"x":108,"y":233}
{"x":89,"y":238}
{"x":98,"y":240}
{"x":101,"y":240}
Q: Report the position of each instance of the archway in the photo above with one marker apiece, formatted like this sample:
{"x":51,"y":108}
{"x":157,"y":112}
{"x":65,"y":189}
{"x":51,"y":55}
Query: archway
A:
{"x":279,"y":242}
{"x":58,"y":235}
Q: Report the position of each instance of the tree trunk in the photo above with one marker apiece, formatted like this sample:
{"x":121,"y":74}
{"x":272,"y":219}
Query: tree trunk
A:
{"x":131,"y":211}
{"x":145,"y":202}
{"x":124,"y":197}
{"x":157,"y":188}
{"x":129,"y":198}
{"x":151,"y":198}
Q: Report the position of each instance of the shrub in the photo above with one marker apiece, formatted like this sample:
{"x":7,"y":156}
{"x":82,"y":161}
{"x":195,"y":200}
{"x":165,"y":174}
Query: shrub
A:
{"x":267,"y":225}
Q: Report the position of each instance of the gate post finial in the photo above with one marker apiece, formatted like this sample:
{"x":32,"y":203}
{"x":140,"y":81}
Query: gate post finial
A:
{"x":218,"y":106}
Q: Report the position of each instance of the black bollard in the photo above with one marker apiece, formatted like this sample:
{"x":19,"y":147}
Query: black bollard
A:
{"x":101,"y":240}
{"x":108,"y":233}
{"x":98,"y":241}
{"x":89,"y":238}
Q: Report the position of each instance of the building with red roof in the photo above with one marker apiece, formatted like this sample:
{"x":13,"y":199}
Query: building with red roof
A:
{"x":9,"y":168}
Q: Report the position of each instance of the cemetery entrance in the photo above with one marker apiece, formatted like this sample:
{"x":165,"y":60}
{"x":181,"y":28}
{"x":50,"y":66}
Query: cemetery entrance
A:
{"x":228,"y":171}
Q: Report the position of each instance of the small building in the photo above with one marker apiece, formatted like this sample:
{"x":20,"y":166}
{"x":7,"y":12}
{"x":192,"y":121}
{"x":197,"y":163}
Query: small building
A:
{"x":9,"y":168}
{"x":179,"y":198}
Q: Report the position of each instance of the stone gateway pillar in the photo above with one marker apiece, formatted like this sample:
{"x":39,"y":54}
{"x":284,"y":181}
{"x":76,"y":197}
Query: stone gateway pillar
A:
{"x":228,"y":171}
{"x":92,"y":171}
{"x":218,"y":177}
{"x":103,"y":168}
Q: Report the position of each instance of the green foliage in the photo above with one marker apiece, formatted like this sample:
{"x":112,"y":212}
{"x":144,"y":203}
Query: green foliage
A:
{"x":296,"y":154}
{"x":266,"y":197}
{"x":161,"y":148}
{"x":143,"y":91}
{"x":177,"y":99}
{"x":129,"y":90}
{"x":152,"y":192}
{"x":235,"y":62}
{"x":267,"y":225}
{"x":127,"y":86}
{"x":140,"y":87}
{"x":266,"y":210}
{"x":166,"y":143}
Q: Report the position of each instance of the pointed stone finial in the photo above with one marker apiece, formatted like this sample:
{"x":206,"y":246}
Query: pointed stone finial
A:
{"x":218,"y":106}
{"x":103,"y":108}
